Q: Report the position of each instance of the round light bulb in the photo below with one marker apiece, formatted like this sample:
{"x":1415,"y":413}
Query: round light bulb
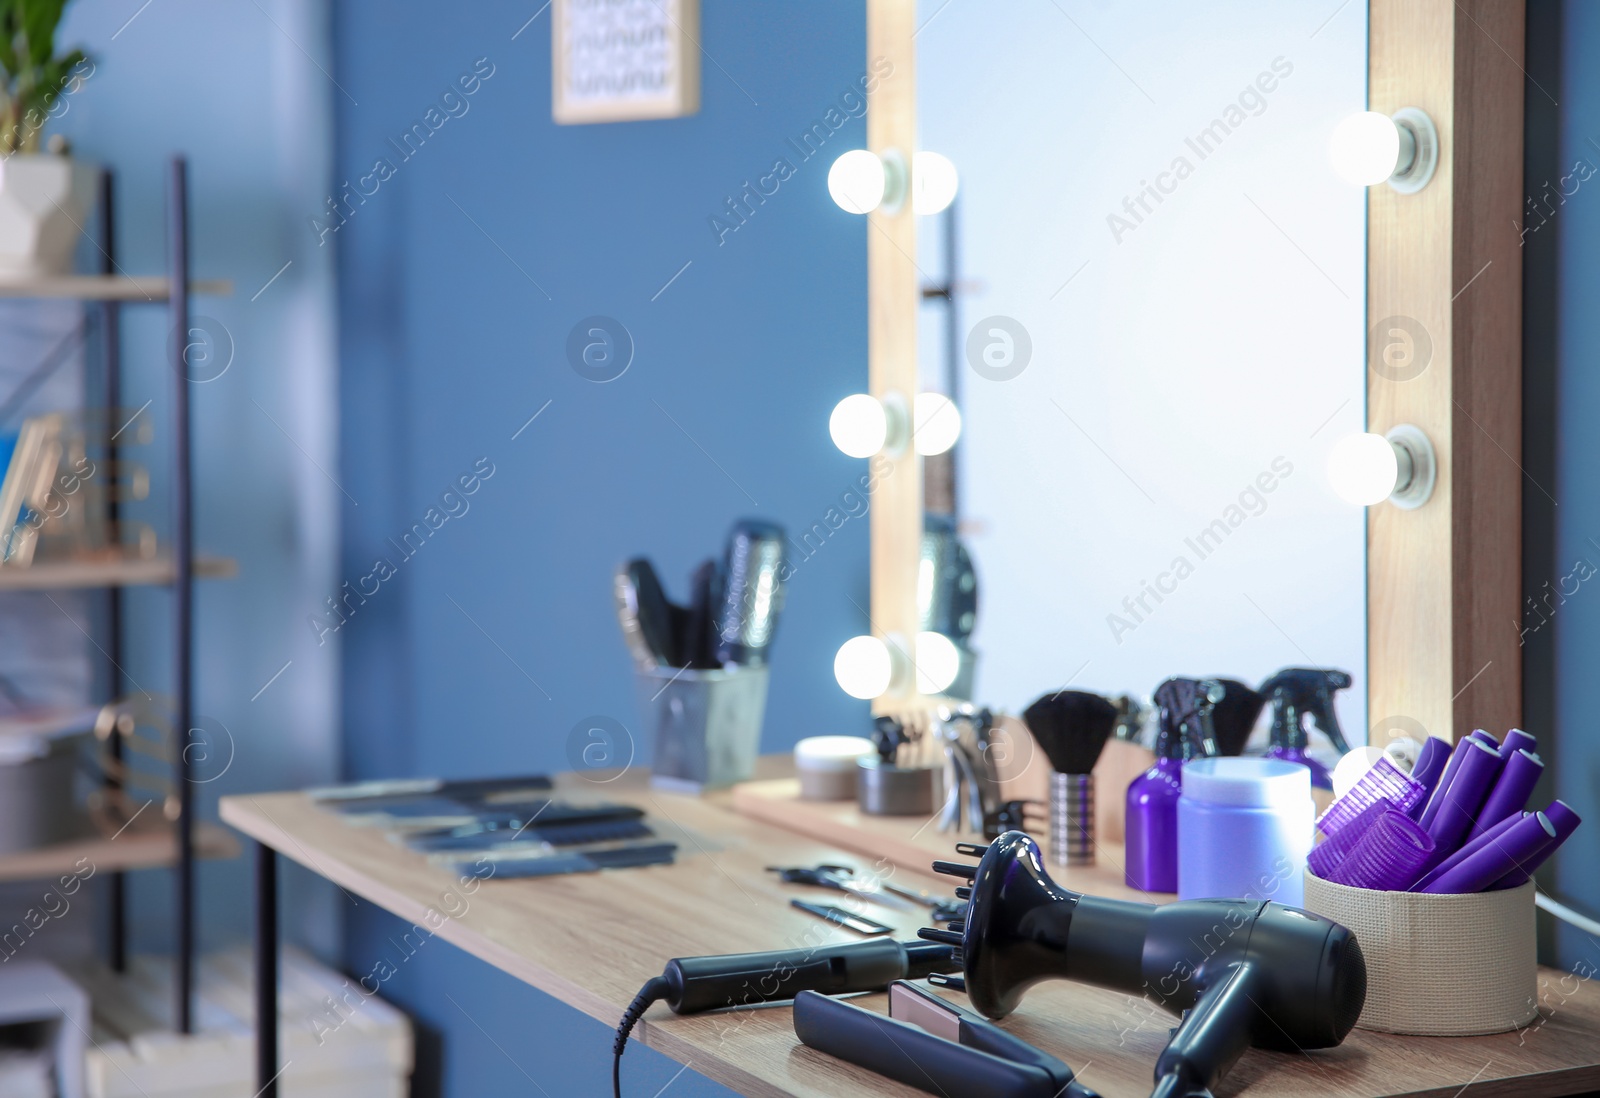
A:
{"x":1352,"y":767}
{"x":863,"y":667}
{"x":859,"y":425}
{"x":857,"y":181}
{"x":933,"y":182}
{"x":1365,"y":148}
{"x":1363,"y":469}
{"x":938,"y":423}
{"x":938,"y":662}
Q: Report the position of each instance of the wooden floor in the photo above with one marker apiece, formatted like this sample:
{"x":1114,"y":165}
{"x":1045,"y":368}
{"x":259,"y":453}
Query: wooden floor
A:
{"x":592,"y":940}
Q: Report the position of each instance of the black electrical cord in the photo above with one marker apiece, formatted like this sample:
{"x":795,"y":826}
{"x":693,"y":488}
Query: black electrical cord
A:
{"x":654,"y":990}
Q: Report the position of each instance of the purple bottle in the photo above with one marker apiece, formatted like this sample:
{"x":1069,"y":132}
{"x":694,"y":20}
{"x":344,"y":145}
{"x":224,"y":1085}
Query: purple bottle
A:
{"x":1151,"y":825}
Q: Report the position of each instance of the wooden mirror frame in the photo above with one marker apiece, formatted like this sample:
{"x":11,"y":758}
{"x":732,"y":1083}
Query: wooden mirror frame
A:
{"x":1444,"y":586}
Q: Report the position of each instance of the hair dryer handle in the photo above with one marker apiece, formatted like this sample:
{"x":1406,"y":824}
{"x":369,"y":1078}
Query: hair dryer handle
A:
{"x":1212,"y":1036}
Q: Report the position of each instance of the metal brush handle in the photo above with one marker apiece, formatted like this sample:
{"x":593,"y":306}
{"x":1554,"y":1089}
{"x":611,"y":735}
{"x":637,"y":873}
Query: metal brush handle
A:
{"x":1072,"y":819}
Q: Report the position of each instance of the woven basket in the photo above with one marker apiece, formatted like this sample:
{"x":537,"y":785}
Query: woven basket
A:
{"x":1439,"y":965}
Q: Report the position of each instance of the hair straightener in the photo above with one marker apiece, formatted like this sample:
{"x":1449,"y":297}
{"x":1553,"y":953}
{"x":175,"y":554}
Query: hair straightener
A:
{"x":933,"y":1045}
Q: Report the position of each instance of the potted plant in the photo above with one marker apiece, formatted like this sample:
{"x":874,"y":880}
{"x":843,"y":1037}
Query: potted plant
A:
{"x":43,"y":196}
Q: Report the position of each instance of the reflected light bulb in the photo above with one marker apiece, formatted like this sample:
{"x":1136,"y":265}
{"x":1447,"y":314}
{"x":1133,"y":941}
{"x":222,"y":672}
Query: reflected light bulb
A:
{"x":863,"y":667}
{"x":859,"y":425}
{"x":857,"y":181}
{"x":1353,"y":766}
{"x":938,"y":662}
{"x":933,"y":182}
{"x":938,"y":423}
{"x":1363,"y":469}
{"x":1365,"y":148}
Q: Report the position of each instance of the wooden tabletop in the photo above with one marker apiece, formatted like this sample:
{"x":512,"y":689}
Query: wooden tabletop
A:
{"x":592,"y":940}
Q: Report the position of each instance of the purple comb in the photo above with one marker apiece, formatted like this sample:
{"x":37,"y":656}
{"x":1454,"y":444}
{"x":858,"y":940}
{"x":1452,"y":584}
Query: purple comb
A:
{"x":1388,"y":856}
{"x":1326,"y":857}
{"x":1383,"y":783}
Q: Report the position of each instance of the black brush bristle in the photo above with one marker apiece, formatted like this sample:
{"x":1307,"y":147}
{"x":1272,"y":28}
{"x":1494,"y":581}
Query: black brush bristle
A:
{"x":1071,"y":727}
{"x":956,"y":869}
{"x":1234,"y":717}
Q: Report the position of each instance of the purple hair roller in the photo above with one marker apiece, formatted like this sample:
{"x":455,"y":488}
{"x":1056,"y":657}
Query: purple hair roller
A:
{"x":1430,"y":764}
{"x":1326,"y":857}
{"x":1485,"y":738}
{"x":1511,"y":791}
{"x":1452,"y":764}
{"x":1464,"y":796}
{"x":1518,"y":740}
{"x":1521,"y":842}
{"x":1389,"y":855}
{"x":1566,"y":822}
{"x":1469,"y":848}
{"x":1383,"y":781}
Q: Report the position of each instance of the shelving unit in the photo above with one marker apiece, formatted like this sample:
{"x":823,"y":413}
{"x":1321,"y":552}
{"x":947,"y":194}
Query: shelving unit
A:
{"x":137,"y":848}
{"x":132,"y":572}
{"x":179,"y":842}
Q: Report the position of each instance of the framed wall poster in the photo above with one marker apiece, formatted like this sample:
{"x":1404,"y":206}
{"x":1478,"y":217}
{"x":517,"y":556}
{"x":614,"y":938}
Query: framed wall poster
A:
{"x":624,"y":60}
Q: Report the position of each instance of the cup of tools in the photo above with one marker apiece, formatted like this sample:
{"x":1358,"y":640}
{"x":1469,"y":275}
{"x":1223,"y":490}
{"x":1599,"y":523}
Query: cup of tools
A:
{"x":701,"y":670}
{"x":1431,"y":869}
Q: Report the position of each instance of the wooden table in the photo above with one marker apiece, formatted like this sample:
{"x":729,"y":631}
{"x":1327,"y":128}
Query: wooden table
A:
{"x":593,"y":940}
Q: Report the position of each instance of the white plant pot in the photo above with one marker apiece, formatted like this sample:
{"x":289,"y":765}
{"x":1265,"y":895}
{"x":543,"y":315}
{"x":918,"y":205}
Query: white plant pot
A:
{"x":44,"y":201}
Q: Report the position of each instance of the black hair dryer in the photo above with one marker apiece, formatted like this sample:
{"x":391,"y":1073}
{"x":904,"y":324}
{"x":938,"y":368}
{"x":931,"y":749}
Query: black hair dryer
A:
{"x":1240,"y":972}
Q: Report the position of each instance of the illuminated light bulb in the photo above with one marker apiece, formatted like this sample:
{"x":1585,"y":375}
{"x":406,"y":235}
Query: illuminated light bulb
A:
{"x":859,"y":425}
{"x":863,"y":667}
{"x":938,"y":662}
{"x":1365,"y":148}
{"x":938,"y":423}
{"x":1370,"y":148}
{"x":1363,"y":469}
{"x":934,"y":182}
{"x":858,"y":181}
{"x":1353,"y":766}
{"x":1400,"y":466}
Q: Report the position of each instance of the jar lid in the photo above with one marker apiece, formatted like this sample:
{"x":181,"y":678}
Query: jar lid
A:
{"x":1262,"y":783}
{"x":831,"y":752}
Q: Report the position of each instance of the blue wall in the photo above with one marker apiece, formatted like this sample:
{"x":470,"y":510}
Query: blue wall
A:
{"x":1561,"y":448}
{"x":460,"y":277}
{"x":236,"y":87}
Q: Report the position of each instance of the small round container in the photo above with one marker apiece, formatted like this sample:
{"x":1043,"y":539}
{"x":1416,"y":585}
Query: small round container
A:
{"x":894,"y":790}
{"x":1244,"y":830}
{"x":827,"y":766}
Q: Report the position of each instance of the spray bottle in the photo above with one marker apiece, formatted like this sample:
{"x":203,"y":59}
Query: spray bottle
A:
{"x":1151,"y":828}
{"x":1296,"y":693}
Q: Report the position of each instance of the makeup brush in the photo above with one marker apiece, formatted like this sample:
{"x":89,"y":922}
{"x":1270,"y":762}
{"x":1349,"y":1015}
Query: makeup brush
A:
{"x":1071,"y":727}
{"x":1234,"y":717}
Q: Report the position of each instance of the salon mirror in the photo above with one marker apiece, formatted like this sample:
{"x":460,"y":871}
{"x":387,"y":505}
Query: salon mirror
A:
{"x":1146,"y":301}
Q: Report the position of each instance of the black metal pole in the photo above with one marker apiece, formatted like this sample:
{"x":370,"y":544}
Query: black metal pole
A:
{"x":953,"y":347}
{"x":111,"y":356}
{"x":182,"y":588}
{"x":266,"y":971}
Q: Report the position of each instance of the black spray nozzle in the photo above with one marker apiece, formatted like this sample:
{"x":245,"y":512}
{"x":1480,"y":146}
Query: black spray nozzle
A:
{"x":1185,"y":708}
{"x":1234,"y":716}
{"x":888,"y":735}
{"x":1298,"y":692}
